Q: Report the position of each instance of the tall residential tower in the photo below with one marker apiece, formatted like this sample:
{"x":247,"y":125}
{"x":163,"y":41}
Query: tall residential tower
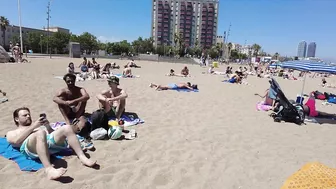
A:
{"x":195,"y":21}
{"x":302,"y":48}
{"x":311,"y":49}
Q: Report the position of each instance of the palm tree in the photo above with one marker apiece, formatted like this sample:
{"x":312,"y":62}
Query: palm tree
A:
{"x":276,"y":55}
{"x":256,"y":48}
{"x":4,"y":23}
{"x":229,"y":46}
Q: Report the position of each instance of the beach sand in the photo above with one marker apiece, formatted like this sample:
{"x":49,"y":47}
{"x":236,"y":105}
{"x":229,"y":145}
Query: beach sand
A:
{"x":211,"y":139}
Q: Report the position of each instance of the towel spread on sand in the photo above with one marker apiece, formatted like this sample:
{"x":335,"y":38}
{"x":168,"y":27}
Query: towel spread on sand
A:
{"x":129,"y":119}
{"x":24,"y":162}
{"x":312,"y":175}
{"x":185,"y":90}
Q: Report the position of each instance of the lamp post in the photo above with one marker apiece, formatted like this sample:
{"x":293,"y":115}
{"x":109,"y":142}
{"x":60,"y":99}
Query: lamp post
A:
{"x":19,"y":12}
{"x":48,"y":29}
{"x":41,"y":43}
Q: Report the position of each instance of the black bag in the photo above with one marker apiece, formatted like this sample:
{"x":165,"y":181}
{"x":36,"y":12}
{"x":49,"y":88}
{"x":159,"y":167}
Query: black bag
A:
{"x":99,"y":119}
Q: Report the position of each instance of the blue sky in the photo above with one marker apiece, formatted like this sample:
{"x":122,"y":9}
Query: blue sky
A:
{"x":277,"y":25}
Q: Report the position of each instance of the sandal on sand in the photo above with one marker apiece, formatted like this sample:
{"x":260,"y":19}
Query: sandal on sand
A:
{"x":131,"y":135}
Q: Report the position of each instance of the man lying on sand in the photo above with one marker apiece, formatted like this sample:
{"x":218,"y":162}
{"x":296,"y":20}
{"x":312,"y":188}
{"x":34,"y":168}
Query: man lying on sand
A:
{"x":113,"y":100}
{"x":72,"y":99}
{"x":37,"y":141}
{"x":174,"y":86}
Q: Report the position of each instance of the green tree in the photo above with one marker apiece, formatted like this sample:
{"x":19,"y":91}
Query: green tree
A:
{"x":74,"y":38}
{"x":33,"y":41}
{"x":4,"y":23}
{"x":88,"y":42}
{"x":256,"y":48}
{"x":15,"y":39}
{"x":59,"y":41}
{"x":276,"y":56}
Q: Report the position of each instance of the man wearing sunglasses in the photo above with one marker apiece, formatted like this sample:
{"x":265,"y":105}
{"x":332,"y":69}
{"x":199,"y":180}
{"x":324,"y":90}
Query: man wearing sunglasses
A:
{"x":113,"y":100}
{"x":72,"y":99}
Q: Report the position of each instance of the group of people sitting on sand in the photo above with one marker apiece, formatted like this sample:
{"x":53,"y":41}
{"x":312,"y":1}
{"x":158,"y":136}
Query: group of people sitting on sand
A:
{"x":184,"y":72}
{"x":37,"y":140}
{"x":92,"y":70}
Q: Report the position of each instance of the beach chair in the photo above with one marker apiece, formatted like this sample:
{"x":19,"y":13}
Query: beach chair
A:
{"x":286,"y":110}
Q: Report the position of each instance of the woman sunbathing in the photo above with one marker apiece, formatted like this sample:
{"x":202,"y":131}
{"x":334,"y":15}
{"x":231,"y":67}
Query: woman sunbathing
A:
{"x":310,"y":108}
{"x":174,"y":86}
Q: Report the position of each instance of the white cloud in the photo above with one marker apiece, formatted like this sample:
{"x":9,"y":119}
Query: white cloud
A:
{"x":104,"y":39}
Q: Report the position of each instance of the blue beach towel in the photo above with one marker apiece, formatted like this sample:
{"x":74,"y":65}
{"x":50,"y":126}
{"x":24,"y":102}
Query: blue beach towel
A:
{"x":185,"y":90}
{"x":24,"y":162}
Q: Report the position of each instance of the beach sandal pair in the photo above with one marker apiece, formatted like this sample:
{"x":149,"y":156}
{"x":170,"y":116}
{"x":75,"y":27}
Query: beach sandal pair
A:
{"x":131,"y":135}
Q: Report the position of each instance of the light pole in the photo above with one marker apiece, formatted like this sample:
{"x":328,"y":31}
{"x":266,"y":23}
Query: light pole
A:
{"x":48,"y":29}
{"x":19,"y":11}
{"x":41,"y":43}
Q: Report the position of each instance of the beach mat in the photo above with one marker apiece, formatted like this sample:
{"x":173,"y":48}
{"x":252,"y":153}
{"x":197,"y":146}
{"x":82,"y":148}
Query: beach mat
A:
{"x":121,"y":76}
{"x":24,"y":163}
{"x":312,"y":175}
{"x":129,"y":118}
{"x":185,"y":90}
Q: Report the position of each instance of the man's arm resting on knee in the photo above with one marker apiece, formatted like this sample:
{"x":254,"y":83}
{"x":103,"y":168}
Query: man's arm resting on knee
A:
{"x":58,"y":100}
{"x":123,"y":95}
{"x":85,"y":97}
{"x":102,"y":97}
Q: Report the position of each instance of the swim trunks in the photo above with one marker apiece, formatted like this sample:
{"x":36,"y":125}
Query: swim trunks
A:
{"x":52,"y":147}
{"x":173,"y":86}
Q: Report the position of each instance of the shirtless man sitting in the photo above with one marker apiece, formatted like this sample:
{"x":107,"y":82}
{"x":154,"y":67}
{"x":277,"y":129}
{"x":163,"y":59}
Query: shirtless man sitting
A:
{"x":174,"y":86}
{"x":36,"y":141}
{"x":127,"y":72}
{"x":72,"y":99}
{"x":185,"y":71}
{"x":113,"y":100}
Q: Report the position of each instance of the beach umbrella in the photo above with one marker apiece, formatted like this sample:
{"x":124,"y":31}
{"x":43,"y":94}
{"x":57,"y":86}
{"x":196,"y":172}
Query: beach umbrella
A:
{"x":309,"y":66}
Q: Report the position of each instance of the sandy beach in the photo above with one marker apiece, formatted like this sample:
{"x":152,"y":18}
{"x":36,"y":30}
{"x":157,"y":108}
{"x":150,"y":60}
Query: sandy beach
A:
{"x":211,"y":139}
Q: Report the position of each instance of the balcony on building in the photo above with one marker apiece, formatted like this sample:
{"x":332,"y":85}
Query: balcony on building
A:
{"x":204,"y":18}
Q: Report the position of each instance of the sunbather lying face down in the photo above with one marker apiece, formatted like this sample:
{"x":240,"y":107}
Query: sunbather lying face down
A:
{"x":174,"y":86}
{"x":72,"y":99}
{"x":37,"y":141}
{"x":113,"y":100}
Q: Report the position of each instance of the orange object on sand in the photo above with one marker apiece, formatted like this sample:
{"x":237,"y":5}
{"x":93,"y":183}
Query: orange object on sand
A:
{"x":312,"y":175}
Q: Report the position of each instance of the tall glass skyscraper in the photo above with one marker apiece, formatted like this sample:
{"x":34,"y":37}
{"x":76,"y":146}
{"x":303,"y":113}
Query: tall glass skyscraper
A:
{"x":311,"y":49}
{"x":302,"y":48}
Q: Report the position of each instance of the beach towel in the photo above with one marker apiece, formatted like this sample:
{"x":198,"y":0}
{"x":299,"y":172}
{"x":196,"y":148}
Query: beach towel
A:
{"x":24,"y":162}
{"x":121,"y":76}
{"x":4,"y":99}
{"x":312,"y":175}
{"x":185,"y":90}
{"x":261,"y":106}
{"x":129,"y":119}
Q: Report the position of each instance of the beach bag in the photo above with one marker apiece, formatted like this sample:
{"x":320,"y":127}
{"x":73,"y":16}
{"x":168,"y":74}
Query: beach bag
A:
{"x":319,"y":95}
{"x":99,"y":119}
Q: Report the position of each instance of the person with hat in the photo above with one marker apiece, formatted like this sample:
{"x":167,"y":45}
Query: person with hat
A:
{"x":113,"y":100}
{"x":71,"y":100}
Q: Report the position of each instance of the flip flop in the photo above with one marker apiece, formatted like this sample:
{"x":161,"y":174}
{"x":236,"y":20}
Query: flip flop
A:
{"x":131,"y":135}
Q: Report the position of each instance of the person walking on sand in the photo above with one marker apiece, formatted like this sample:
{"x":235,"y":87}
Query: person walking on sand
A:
{"x":71,"y":100}
{"x":113,"y":100}
{"x":36,"y":142}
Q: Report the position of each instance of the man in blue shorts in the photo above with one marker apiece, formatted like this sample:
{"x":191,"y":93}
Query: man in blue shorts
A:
{"x":37,"y":141}
{"x":174,"y":86}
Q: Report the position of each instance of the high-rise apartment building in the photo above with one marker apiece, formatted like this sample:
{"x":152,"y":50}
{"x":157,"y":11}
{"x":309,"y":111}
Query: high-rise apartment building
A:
{"x":302,"y":48}
{"x":311,"y":49}
{"x":195,"y":21}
